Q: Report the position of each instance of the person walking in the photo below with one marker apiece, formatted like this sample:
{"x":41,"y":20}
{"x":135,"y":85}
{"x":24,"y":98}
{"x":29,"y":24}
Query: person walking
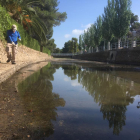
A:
{"x":12,"y":43}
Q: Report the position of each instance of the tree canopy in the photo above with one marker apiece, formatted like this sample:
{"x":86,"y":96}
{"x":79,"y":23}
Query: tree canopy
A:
{"x":71,"y":46}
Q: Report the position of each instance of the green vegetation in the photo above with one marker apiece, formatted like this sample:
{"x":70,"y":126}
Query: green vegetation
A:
{"x":98,"y":31}
{"x":121,"y":19}
{"x":71,"y":46}
{"x":35,"y":21}
{"x":6,"y":23}
{"x":106,"y":23}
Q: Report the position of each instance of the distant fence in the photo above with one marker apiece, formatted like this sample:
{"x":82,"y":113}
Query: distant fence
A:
{"x":62,"y":54}
{"x":113,"y":46}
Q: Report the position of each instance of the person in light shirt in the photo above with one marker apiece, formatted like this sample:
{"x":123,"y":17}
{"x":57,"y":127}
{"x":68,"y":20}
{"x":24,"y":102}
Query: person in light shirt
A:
{"x":12,"y":43}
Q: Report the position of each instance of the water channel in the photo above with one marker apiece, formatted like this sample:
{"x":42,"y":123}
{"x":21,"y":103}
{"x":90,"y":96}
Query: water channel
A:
{"x":70,"y":101}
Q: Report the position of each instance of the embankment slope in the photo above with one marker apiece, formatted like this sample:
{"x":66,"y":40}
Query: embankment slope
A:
{"x":24,"y":57}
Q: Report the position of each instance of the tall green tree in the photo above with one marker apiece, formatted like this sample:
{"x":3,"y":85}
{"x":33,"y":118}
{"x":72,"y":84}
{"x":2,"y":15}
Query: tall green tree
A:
{"x":57,"y":50}
{"x":121,"y":18}
{"x":91,"y":36}
{"x":134,"y":22}
{"x":49,"y":14}
{"x":74,"y":45}
{"x":83,"y":41}
{"x":66,"y":48}
{"x":136,"y":26}
{"x":134,"y":18}
{"x":80,"y":42}
{"x":98,"y":32}
{"x":87,"y":38}
{"x":71,"y":46}
{"x":107,"y":21}
{"x":51,"y":45}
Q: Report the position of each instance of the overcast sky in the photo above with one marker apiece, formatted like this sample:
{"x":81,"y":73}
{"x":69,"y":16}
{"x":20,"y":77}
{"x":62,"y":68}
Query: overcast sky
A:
{"x":80,"y":15}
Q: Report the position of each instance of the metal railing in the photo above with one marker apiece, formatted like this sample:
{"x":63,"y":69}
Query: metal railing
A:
{"x":63,"y":54}
{"x":113,"y":46}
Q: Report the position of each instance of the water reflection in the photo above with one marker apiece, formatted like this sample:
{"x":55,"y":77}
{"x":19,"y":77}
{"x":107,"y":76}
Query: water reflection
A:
{"x":71,"y":71}
{"x":93,"y":100}
{"x":113,"y":94}
{"x":38,"y":98}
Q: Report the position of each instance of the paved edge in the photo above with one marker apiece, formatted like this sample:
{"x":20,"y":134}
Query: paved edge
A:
{"x":9,"y":72}
{"x":14,"y":68}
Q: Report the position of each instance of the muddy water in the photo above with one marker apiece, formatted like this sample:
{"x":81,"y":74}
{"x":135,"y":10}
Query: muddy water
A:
{"x":69,"y":101}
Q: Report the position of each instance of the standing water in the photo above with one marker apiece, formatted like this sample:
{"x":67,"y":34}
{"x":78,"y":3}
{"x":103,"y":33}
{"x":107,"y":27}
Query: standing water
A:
{"x":81,"y":102}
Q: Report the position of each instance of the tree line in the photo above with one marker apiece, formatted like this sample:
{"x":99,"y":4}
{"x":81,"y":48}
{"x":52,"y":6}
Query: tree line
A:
{"x":115,"y":23}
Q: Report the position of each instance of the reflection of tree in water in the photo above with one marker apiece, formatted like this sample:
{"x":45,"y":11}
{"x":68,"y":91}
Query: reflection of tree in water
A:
{"x":40,"y":98}
{"x":113,"y":106}
{"x":111,"y":97}
{"x":109,"y":94}
{"x":71,"y":71}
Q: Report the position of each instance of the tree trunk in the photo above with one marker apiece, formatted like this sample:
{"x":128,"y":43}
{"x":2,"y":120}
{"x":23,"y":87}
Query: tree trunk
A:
{"x":104,"y":46}
{"x":41,"y":48}
{"x":97,"y":50}
{"x":108,"y":45}
{"x":119,"y":41}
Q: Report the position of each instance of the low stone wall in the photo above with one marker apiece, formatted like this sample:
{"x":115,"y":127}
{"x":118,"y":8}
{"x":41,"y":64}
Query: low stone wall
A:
{"x":123,"y":56}
{"x":98,"y":56}
{"x":62,"y":56}
{"x":24,"y":57}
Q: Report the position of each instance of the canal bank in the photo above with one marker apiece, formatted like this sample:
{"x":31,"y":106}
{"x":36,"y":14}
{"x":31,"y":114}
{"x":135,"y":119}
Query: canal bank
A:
{"x":66,"y":96}
{"x":127,"y":56}
{"x":25,"y":56}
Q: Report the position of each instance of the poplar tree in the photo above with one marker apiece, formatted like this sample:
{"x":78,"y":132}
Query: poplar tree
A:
{"x":74,"y":44}
{"x":91,"y":36}
{"x":98,"y":31}
{"x":107,"y":21}
{"x":70,"y":46}
{"x":86,"y":36}
{"x":80,"y":42}
{"x":121,"y":18}
{"x":83,"y":41}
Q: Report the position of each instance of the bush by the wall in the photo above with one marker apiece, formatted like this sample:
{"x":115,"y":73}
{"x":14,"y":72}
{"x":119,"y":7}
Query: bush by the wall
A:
{"x":46,"y":50}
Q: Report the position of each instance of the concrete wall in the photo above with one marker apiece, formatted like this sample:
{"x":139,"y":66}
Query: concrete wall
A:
{"x":98,"y":56}
{"x":62,"y":57}
{"x":123,"y":56}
